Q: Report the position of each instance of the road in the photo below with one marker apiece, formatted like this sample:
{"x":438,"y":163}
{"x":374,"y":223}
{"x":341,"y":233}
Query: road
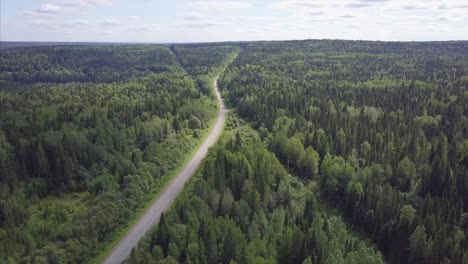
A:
{"x":122,"y":250}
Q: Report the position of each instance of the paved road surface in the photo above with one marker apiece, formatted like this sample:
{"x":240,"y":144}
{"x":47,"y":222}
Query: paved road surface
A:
{"x":122,"y":250}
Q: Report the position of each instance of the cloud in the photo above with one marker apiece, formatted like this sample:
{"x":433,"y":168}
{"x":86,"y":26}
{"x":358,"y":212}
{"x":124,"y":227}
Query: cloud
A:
{"x":374,"y":1}
{"x":248,"y":18}
{"x":461,"y":6}
{"x":219,"y":5}
{"x":85,"y":3}
{"x":197,"y":20}
{"x":356,"y":5}
{"x":75,"y":24}
{"x":443,"y":6}
{"x":111,"y":22}
{"x":413,"y":7}
{"x":202,"y":20}
{"x":193,"y":16}
{"x":64,"y":6}
{"x":207,"y":23}
{"x":318,"y":13}
{"x":48,"y":8}
{"x":293,"y":5}
{"x":201,"y":25}
{"x":31,"y":13}
{"x":446,"y":7}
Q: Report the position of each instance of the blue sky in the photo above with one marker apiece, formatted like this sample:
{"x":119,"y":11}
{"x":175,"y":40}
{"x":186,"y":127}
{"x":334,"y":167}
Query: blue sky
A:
{"x":214,"y":20}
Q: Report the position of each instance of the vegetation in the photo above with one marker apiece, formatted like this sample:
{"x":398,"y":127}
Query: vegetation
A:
{"x":381,"y":128}
{"x":338,"y":151}
{"x":243,"y":207}
{"x":63,"y":64}
{"x":78,"y":158}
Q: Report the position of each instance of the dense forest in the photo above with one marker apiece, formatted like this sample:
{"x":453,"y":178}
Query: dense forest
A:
{"x":370,"y":144}
{"x":244,"y":207}
{"x":63,"y":64}
{"x":88,"y":136}
{"x":334,"y":151}
{"x":381,"y":128}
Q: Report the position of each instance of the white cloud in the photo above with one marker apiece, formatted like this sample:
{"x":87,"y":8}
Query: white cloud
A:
{"x":31,"y":13}
{"x":316,"y":13}
{"x":210,"y":20}
{"x":413,"y":7}
{"x":249,"y":18}
{"x":374,"y":1}
{"x":193,"y":16}
{"x":64,"y":6}
{"x":75,"y":24}
{"x":197,"y":17}
{"x":357,"y":5}
{"x":84,"y":3}
{"x":49,"y":8}
{"x":294,"y":4}
{"x":443,"y":6}
{"x":206,"y":23}
{"x":111,"y":22}
{"x":219,"y":5}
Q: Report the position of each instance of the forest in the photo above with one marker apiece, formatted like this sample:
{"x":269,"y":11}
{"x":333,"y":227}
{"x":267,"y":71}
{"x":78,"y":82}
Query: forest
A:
{"x":342,"y":152}
{"x":334,"y":151}
{"x":88,"y":136}
{"x":380,"y":128}
{"x":244,"y":207}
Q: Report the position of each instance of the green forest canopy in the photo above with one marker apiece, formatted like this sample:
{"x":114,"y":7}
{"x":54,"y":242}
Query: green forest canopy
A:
{"x":339,"y":151}
{"x":87,"y":136}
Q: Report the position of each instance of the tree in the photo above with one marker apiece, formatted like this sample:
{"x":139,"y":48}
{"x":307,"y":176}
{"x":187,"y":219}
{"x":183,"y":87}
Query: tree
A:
{"x":233,"y":245}
{"x":42,"y":162}
{"x":418,"y":245}
{"x":226,"y":203}
{"x":407,"y":215}
{"x":162,"y":236}
{"x":437,"y":177}
{"x":354,"y":193}
{"x":309,"y":163}
{"x":294,"y":150}
{"x":405,"y":174}
{"x":365,"y":150}
{"x":340,"y":146}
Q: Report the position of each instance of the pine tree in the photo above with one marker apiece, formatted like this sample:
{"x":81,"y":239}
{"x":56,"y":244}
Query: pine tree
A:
{"x":418,"y":245}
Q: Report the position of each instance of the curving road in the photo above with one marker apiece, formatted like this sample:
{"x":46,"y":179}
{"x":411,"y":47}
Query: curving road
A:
{"x":122,"y":250}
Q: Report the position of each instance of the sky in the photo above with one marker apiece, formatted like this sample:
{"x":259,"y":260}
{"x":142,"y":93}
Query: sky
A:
{"x":232,"y":20}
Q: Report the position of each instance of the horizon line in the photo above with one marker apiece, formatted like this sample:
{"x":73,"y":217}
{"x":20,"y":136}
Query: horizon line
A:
{"x":222,"y":41}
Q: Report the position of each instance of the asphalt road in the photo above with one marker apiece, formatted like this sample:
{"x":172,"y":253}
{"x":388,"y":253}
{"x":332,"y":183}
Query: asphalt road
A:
{"x":122,"y":250}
